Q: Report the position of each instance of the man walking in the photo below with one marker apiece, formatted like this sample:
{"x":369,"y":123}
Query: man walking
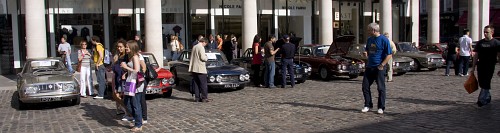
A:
{"x":465,"y":52}
{"x":197,"y":67}
{"x":269,"y":62}
{"x":486,"y":51}
{"x":394,"y":50}
{"x":379,"y":52}
{"x":451,"y":57}
{"x":65,"y":50}
{"x":99,"y":66}
{"x":287,"y":53}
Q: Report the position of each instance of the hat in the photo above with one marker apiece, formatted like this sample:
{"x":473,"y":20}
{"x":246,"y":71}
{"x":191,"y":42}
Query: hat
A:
{"x":285,"y":36}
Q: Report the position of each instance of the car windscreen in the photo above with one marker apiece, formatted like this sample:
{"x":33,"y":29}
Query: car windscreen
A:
{"x":405,"y":47}
{"x":215,"y":59}
{"x":150,"y":59}
{"x":321,"y":50}
{"x":45,"y":65}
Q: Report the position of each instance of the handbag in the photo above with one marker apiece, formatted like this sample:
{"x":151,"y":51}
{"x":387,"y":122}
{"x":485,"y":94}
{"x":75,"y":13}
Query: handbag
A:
{"x":471,"y":84}
{"x":79,"y":66}
{"x":130,"y":85}
{"x":151,"y":73}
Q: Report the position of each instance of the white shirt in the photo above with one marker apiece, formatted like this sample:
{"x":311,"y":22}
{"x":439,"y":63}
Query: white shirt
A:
{"x":174,"y":45}
{"x":465,"y":43}
{"x":65,"y":47}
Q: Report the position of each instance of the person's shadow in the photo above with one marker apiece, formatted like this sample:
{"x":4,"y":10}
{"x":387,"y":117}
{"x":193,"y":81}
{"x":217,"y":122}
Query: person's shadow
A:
{"x":101,"y":114}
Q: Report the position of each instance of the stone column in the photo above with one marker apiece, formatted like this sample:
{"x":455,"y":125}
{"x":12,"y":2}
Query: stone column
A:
{"x":433,"y":21}
{"x":153,"y":29}
{"x":249,"y":23}
{"x":36,"y":37}
{"x":105,"y":9}
{"x":386,"y":17}
{"x":415,"y":20}
{"x":474,"y":20}
{"x":355,"y":24}
{"x":484,"y":12}
{"x":307,"y":34}
{"x":325,"y":22}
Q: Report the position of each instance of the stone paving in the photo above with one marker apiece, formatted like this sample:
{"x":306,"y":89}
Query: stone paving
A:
{"x":417,"y":102}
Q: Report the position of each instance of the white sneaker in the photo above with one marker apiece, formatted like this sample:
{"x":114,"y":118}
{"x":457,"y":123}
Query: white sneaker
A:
{"x":98,"y":97}
{"x":380,"y":111}
{"x":127,"y":118}
{"x":144,"y":121}
{"x":365,"y":109}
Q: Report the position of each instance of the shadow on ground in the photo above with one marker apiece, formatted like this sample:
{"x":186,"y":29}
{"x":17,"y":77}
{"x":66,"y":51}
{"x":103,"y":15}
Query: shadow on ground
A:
{"x":465,"y":118}
{"x":103,"y":115}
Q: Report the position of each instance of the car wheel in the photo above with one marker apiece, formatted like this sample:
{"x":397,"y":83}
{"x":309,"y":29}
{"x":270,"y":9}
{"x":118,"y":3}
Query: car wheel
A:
{"x":20,"y":104}
{"x":240,"y":88}
{"x":416,"y":65}
{"x":432,"y":69}
{"x":400,"y":73}
{"x":353,"y":76}
{"x":168,"y":93}
{"x":174,"y":72}
{"x":324,"y":74}
{"x":300,"y":81}
{"x":75,"y":101}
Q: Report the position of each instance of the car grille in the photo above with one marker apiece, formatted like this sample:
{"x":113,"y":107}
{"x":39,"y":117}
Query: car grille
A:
{"x":48,"y":88}
{"x":231,"y":78}
{"x":155,"y":82}
{"x":404,"y":64}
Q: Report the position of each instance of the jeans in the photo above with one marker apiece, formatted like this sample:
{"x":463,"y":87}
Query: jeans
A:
{"x":101,"y":80}
{"x":200,"y":84}
{"x":68,"y":64}
{"x":287,"y":64}
{"x":144,"y":106}
{"x":464,"y":65}
{"x":449,"y":60}
{"x":85,"y":80}
{"x":134,"y":107}
{"x":374,"y":74}
{"x":269,"y":74}
{"x":174,"y":55}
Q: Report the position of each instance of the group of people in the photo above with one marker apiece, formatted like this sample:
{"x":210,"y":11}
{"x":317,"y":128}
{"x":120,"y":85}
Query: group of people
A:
{"x":127,"y":64}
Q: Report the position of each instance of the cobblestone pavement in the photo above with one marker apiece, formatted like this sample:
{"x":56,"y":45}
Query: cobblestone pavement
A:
{"x":417,"y":102}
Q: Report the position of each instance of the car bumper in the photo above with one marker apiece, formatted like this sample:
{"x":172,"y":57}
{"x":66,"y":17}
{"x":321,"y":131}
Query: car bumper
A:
{"x":346,"y":72}
{"x":400,"y":69}
{"x":298,"y":77}
{"x":228,"y":85}
{"x":433,"y":64}
{"x":158,"y":89}
{"x":48,"y":98}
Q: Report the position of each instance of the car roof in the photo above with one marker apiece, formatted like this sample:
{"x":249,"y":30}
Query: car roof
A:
{"x":44,"y":58}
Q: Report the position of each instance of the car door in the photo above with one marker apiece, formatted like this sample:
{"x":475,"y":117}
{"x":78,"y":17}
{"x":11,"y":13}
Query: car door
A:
{"x":182,"y":66}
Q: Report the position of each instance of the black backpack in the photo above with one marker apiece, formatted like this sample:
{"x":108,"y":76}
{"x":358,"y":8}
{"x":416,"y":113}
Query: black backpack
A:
{"x":150,"y":73}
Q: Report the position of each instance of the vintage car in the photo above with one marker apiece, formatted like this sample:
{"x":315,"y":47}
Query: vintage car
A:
{"x":302,"y":69}
{"x":422,"y":59}
{"x":46,"y":80}
{"x":400,"y":65}
{"x":220,"y":74}
{"x":162,"y":85}
{"x":330,"y":61}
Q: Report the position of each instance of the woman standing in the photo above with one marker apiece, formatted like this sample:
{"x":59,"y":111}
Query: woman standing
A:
{"x":256,"y":61}
{"x":174,"y":47}
{"x":219,"y":42}
{"x":119,"y":78}
{"x":133,"y":67}
{"x":84,"y":57}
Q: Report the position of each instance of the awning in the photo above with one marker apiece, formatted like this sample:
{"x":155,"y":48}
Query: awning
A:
{"x":494,"y":18}
{"x":462,"y":21}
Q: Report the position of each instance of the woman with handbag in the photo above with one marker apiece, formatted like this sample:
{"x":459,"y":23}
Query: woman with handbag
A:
{"x":119,"y":78}
{"x":133,"y":84}
{"x":84,"y":69}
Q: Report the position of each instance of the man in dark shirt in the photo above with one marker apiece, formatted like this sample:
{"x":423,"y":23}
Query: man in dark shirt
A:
{"x":451,"y":57}
{"x":287,"y":53}
{"x":486,"y":49}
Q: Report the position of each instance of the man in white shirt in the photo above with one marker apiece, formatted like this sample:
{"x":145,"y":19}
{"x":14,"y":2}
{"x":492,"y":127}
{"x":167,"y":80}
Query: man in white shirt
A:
{"x":65,"y":50}
{"x":465,"y":52}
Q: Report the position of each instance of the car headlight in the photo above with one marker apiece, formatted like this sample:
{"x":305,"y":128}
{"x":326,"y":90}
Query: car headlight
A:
{"x":211,"y":79}
{"x":30,"y":90}
{"x":69,"y":87}
{"x":344,"y":67}
{"x":412,"y":63}
{"x":247,"y":76}
{"x":395,"y":64}
{"x":164,"y":81}
{"x":242,"y":77}
{"x":310,"y":69}
{"x":339,"y":67}
{"x":171,"y":81}
{"x":218,"y":79}
{"x":429,"y":59}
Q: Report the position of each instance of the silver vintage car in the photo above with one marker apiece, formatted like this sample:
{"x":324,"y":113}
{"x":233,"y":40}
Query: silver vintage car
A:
{"x":422,"y":59}
{"x":46,"y":80}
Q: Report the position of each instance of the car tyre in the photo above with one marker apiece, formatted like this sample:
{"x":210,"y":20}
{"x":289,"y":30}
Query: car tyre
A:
{"x":20,"y":104}
{"x":301,"y":81}
{"x":324,"y":74}
{"x":168,"y":93}
{"x":432,"y":69}
{"x":76,"y":101}
{"x":240,"y":88}
{"x":353,"y":76}
{"x":174,"y":72}
{"x":416,"y":65}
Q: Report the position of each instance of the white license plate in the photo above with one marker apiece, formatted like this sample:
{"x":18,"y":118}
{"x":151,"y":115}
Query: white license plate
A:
{"x":50,"y":99}
{"x":153,"y":91}
{"x":298,"y":76}
{"x":231,"y":85}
